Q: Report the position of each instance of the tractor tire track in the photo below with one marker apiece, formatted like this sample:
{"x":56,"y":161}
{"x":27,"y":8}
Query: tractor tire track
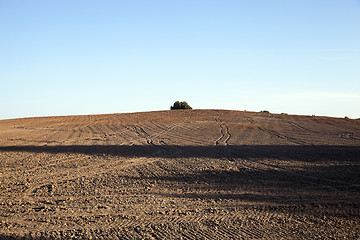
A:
{"x":348,"y":136}
{"x":85,"y":171}
{"x":277,"y":134}
{"x":311,"y":180}
{"x":224,"y":138}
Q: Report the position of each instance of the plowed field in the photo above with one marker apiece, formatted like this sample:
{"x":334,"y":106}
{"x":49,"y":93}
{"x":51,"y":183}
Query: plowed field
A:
{"x":182,"y":174}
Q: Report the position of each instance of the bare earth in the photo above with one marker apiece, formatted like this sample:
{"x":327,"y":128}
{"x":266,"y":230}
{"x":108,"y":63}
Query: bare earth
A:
{"x":184,"y":174}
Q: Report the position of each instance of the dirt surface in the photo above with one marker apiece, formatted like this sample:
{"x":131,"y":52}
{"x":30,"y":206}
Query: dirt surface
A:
{"x":184,"y":174}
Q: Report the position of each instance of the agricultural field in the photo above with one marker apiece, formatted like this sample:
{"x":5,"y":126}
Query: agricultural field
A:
{"x":181,"y":174}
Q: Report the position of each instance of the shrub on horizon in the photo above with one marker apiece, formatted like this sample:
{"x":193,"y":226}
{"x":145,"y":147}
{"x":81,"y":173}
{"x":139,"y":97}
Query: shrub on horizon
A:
{"x":180,"y":105}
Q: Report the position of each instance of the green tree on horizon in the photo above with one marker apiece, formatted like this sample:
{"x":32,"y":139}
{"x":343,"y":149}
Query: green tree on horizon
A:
{"x":180,"y":105}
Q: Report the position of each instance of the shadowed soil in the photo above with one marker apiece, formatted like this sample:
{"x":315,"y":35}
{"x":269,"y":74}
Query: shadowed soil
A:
{"x":182,"y":174}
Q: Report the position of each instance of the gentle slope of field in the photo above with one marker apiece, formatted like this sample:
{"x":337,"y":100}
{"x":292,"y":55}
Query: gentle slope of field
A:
{"x":190,"y":174}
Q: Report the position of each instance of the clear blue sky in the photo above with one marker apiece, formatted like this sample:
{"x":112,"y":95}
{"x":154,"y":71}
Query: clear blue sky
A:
{"x":70,"y":57}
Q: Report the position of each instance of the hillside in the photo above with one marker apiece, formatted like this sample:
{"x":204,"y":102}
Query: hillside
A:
{"x":191,"y":174}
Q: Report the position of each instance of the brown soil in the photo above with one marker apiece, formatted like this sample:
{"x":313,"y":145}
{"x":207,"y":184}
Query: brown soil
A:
{"x":184,"y":174}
